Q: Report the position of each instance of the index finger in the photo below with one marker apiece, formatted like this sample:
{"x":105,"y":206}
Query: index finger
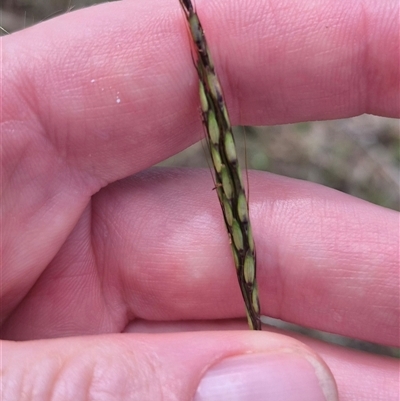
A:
{"x":117,"y":80}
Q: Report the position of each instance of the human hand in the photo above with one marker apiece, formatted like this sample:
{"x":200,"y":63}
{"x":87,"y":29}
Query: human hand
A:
{"x":99,"y":95}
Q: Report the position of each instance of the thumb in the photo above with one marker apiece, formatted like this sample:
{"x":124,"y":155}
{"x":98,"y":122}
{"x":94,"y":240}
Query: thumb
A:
{"x":194,"y":366}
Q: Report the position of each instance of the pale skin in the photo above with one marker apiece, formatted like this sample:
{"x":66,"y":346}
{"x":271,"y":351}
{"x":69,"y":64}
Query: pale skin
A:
{"x":97,"y":96}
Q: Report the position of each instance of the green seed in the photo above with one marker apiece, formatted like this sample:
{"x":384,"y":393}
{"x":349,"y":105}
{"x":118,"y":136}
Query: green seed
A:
{"x":227,"y":211}
{"x":213,"y":129}
{"x":203,"y":98}
{"x":242,"y":208}
{"x":216,"y":159}
{"x":254,"y":300}
{"x":230,"y":147}
{"x":249,"y":268}
{"x":235,"y":256}
{"x":226,"y":182}
{"x":228,"y":178}
{"x":237,"y":236}
{"x":250,"y":238}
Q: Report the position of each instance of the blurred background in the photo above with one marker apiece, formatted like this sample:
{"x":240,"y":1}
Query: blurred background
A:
{"x":359,"y":156}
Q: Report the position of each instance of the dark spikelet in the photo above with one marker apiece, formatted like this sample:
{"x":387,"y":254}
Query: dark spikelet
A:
{"x":230,"y":190}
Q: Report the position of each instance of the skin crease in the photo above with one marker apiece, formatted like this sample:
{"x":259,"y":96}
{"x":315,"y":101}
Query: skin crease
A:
{"x":92,"y":245}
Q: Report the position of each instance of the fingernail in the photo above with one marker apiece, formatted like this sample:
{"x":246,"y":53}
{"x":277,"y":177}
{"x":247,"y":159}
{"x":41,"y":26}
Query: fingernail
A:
{"x":256,"y":377}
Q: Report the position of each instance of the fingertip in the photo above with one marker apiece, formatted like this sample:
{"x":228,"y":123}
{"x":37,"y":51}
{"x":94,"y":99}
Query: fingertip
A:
{"x":279,"y":375}
{"x":234,"y":365}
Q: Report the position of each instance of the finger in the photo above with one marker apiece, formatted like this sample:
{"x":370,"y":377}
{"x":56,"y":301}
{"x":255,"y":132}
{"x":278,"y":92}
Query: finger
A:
{"x":359,"y":375}
{"x":161,"y":252}
{"x":127,"y":93}
{"x":67,"y":126}
{"x":102,"y":93}
{"x":166,"y":367}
